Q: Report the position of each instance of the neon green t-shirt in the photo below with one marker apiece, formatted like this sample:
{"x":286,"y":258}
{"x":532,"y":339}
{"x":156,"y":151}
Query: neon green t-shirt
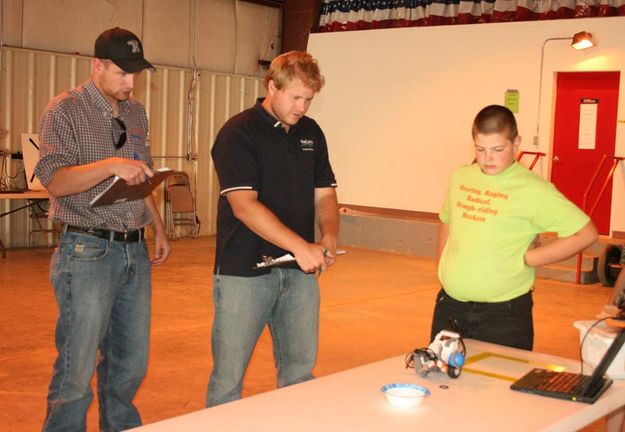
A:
{"x":492,"y":221}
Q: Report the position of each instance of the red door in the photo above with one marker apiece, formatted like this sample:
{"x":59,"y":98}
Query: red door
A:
{"x":576,"y":156}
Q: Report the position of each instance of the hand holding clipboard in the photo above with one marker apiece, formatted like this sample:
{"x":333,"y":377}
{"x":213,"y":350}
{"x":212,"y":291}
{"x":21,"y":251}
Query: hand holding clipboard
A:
{"x":120,"y":191}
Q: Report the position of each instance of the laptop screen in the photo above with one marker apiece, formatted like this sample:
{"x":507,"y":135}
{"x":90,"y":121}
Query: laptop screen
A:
{"x":606,"y":361}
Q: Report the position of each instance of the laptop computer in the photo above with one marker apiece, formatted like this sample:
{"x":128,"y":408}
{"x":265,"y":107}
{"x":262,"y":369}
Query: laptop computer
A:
{"x":572,"y":386}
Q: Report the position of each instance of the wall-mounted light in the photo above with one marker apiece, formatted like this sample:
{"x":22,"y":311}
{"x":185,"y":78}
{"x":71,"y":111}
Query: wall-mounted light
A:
{"x":582,"y":40}
{"x":579,"y":41}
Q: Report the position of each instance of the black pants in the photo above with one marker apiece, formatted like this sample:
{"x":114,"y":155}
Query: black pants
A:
{"x":508,"y":323}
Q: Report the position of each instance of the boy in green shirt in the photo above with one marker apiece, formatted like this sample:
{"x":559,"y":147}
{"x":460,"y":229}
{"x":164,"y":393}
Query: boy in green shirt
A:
{"x":491,"y":215}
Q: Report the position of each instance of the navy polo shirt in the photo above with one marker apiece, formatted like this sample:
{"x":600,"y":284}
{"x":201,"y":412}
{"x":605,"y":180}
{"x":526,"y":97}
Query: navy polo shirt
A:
{"x":252,"y":151}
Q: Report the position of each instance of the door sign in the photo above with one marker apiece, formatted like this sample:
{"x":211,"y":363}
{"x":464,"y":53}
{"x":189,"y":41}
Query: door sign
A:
{"x":587,"y":124}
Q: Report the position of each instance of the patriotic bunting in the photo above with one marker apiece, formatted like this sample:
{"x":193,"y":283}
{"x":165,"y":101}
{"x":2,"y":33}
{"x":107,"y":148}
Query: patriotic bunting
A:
{"x":345,"y":15}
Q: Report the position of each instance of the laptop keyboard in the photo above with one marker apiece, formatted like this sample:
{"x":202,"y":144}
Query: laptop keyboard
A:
{"x":565,"y":382}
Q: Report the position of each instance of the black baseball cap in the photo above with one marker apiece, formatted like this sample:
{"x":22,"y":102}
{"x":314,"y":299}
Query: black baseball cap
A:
{"x":123,"y":48}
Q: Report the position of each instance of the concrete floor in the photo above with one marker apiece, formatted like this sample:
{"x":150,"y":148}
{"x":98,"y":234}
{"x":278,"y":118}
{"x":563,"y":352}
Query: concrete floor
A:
{"x":374,"y":305}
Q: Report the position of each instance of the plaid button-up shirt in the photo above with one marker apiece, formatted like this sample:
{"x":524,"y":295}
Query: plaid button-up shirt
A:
{"x":77,"y":128}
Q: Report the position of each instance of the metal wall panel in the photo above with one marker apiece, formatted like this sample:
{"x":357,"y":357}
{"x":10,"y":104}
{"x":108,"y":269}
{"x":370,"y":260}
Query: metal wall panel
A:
{"x":29,"y":79}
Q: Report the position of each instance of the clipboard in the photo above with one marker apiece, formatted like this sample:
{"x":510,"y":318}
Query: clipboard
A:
{"x":284,"y":259}
{"x":119,"y":191}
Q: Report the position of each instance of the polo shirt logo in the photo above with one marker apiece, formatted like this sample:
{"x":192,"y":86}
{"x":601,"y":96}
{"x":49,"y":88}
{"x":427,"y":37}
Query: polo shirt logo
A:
{"x":307,"y":145}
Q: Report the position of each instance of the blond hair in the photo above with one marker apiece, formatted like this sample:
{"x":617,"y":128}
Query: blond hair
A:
{"x":294,"y":65}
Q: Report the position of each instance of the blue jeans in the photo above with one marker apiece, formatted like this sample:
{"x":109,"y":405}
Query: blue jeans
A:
{"x":288,"y":301}
{"x":508,"y":323}
{"x":103,"y":293}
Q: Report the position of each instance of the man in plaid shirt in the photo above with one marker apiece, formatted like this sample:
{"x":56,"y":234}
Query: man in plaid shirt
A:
{"x":101,"y":269}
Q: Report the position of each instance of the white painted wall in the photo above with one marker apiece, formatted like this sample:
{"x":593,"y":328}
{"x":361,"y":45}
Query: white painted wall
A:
{"x":398,"y":104}
{"x":226,"y":36}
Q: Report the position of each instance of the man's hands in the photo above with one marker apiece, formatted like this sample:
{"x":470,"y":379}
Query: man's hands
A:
{"x":316,"y":257}
{"x":71,"y":180}
{"x":134,"y":172}
{"x":162,"y":248}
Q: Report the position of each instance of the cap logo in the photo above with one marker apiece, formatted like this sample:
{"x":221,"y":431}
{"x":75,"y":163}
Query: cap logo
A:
{"x":134,"y":46}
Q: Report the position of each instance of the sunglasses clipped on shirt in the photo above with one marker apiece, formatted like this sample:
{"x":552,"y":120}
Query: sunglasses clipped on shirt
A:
{"x":119,"y":143}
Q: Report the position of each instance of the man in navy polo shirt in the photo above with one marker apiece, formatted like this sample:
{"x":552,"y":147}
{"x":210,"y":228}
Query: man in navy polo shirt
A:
{"x":276,"y":181}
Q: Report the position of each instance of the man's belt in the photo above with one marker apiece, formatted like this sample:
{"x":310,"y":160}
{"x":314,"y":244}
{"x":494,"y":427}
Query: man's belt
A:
{"x":131,"y":236}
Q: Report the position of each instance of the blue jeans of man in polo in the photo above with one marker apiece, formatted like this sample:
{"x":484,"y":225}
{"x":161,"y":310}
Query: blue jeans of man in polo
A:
{"x":103,"y":293}
{"x":287,"y":300}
